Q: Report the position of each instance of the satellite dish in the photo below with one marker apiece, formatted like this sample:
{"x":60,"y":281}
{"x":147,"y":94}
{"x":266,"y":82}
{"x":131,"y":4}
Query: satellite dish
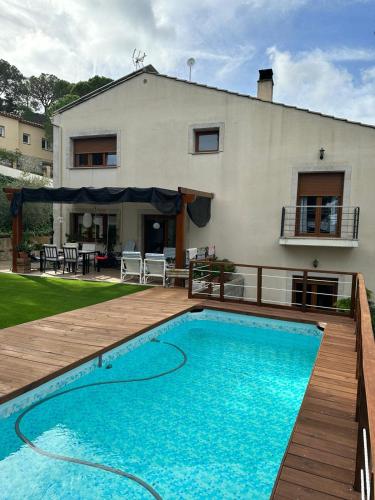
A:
{"x":190,"y":62}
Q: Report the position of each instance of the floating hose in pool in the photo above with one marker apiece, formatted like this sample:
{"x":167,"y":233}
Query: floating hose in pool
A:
{"x":106,"y":468}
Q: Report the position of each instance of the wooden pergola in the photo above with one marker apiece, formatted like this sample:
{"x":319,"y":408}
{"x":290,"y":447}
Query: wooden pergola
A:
{"x":187,"y":196}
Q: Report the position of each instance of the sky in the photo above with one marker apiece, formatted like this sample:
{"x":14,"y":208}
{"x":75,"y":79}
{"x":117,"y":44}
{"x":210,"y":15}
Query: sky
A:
{"x":322,"y":51}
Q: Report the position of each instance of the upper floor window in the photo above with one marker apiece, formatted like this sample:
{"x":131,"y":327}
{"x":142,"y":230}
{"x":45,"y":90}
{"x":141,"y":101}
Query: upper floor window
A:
{"x":45,"y":144}
{"x":2,"y":131}
{"x":206,"y":140}
{"x":319,"y":204}
{"x":26,"y":138}
{"x":95,"y":152}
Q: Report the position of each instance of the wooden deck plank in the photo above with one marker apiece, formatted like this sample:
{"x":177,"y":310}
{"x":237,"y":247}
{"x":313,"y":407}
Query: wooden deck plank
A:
{"x":320,"y":458}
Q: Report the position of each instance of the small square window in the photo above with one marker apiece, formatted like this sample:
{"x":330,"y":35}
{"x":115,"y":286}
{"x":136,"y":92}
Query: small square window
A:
{"x":207,"y":141}
{"x":2,"y":131}
{"x":26,"y":138}
{"x":45,"y":144}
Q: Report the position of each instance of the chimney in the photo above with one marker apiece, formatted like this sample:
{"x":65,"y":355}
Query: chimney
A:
{"x":265,"y":84}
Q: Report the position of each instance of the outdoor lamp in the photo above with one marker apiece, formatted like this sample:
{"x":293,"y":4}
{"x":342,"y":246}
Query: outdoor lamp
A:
{"x":322,"y":151}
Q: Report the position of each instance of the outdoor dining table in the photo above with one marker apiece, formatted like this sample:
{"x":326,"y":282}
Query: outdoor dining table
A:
{"x":85,"y":254}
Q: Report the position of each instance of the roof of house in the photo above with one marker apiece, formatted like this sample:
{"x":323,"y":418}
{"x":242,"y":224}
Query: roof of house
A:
{"x":22,"y":120}
{"x":150,"y":69}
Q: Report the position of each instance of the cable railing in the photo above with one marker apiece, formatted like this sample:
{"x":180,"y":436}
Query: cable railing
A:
{"x":320,"y":221}
{"x":303,"y":289}
{"x":365,"y":413}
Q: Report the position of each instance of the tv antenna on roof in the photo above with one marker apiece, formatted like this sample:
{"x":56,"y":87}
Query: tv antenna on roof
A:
{"x":138,"y":58}
{"x":190,"y":62}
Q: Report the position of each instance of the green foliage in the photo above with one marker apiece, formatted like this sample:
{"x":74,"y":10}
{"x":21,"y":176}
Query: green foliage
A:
{"x":11,"y":81}
{"x":62,"y":101}
{"x":9,"y":157}
{"x":229,"y":267}
{"x":25,"y":246}
{"x":37,"y":217}
{"x":25,"y":96}
{"x":85,"y":87}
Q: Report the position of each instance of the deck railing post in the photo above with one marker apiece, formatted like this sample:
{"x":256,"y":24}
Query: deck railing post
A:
{"x":353,"y":296}
{"x":304,"y":290}
{"x":222,"y":298}
{"x":259,"y":286}
{"x":190,"y":284}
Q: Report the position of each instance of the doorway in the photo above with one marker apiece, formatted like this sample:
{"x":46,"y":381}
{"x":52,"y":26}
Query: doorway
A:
{"x":321,"y":292}
{"x":159,"y":232}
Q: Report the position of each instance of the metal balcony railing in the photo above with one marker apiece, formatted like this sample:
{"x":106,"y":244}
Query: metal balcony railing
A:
{"x":335,"y":221}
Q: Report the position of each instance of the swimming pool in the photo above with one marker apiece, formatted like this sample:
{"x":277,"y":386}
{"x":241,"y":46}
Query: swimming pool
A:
{"x":203,"y":411}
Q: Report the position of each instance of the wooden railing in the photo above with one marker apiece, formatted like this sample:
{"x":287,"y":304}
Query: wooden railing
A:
{"x":365,"y":415}
{"x":285,"y":287}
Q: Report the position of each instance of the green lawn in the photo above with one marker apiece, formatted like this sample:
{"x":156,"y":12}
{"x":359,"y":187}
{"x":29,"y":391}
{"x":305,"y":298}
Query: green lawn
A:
{"x":25,"y":298}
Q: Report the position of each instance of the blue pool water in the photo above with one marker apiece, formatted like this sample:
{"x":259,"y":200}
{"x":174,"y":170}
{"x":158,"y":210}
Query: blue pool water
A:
{"x":215,"y":428}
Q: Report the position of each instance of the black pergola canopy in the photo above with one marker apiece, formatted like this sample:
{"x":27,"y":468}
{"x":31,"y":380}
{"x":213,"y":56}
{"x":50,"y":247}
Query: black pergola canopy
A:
{"x":167,"y":201}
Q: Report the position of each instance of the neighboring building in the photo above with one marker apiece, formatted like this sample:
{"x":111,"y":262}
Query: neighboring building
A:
{"x":292,"y":187}
{"x":29,"y":139}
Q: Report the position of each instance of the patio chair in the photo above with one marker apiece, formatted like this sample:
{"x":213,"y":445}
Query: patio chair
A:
{"x":129,"y":246}
{"x":155,"y":266}
{"x":131,"y":265}
{"x":51,"y":255}
{"x":191,"y":254}
{"x":71,"y":258}
{"x":169,"y":253}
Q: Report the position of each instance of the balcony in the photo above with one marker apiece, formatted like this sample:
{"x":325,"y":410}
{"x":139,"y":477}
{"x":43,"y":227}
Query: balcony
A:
{"x":320,"y":226}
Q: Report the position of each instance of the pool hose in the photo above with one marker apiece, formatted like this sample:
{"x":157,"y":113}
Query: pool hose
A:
{"x":106,"y":468}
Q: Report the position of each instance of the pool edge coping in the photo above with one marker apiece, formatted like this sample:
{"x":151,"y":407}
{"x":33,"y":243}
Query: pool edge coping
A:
{"x":97,"y":354}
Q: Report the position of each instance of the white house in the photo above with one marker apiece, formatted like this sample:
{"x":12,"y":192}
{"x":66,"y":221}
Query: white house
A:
{"x":291,"y":187}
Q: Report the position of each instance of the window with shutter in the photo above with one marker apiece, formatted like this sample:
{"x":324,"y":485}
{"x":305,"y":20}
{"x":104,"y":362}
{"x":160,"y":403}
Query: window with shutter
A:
{"x":95,"y":152}
{"x":319,"y":204}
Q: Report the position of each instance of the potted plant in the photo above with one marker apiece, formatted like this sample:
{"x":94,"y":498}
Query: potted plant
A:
{"x":23,"y":256}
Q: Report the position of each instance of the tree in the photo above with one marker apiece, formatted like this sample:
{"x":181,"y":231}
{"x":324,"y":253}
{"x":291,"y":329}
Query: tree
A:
{"x":45,"y":89}
{"x":11,"y":81}
{"x":63,"y":101}
{"x":86,"y":86}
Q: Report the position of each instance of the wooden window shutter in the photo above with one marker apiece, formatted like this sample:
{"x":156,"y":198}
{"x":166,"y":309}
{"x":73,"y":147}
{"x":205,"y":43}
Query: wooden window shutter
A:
{"x":321,"y":184}
{"x":106,"y":144}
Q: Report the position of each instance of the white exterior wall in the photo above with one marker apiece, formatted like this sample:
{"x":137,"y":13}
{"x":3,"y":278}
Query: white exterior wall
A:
{"x":264,"y":148}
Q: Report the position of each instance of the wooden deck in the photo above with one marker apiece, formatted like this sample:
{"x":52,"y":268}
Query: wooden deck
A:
{"x":319,"y":462}
{"x":35,"y":352}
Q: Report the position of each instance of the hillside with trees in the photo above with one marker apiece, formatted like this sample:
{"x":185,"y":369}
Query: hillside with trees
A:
{"x":36,"y":97}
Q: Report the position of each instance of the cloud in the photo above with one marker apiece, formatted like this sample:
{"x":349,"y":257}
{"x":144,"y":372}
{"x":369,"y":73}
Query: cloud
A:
{"x":74,"y":39}
{"x":312,"y":80}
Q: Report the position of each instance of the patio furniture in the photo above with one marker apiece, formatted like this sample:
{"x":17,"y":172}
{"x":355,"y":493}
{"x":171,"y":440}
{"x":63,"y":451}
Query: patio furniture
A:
{"x":169,"y":253}
{"x":173,"y":274}
{"x":155,"y":266}
{"x":51,"y":255}
{"x":129,"y":246}
{"x":72,"y":258}
{"x":131,"y":265}
{"x":90,"y":247}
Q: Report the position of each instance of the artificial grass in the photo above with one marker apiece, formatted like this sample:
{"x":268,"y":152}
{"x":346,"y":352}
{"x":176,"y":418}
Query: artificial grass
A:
{"x":26,"y":298}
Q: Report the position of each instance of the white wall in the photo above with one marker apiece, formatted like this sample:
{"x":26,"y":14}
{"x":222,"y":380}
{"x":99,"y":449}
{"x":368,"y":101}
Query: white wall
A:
{"x":265,"y":146}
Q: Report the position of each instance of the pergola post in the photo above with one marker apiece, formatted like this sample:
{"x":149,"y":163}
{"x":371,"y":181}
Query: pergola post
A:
{"x":180,"y":233}
{"x":17,"y":227}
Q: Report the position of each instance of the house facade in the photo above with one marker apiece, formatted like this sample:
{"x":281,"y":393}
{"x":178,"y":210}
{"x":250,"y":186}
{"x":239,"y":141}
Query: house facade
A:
{"x":28,"y":139}
{"x":291,"y":187}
